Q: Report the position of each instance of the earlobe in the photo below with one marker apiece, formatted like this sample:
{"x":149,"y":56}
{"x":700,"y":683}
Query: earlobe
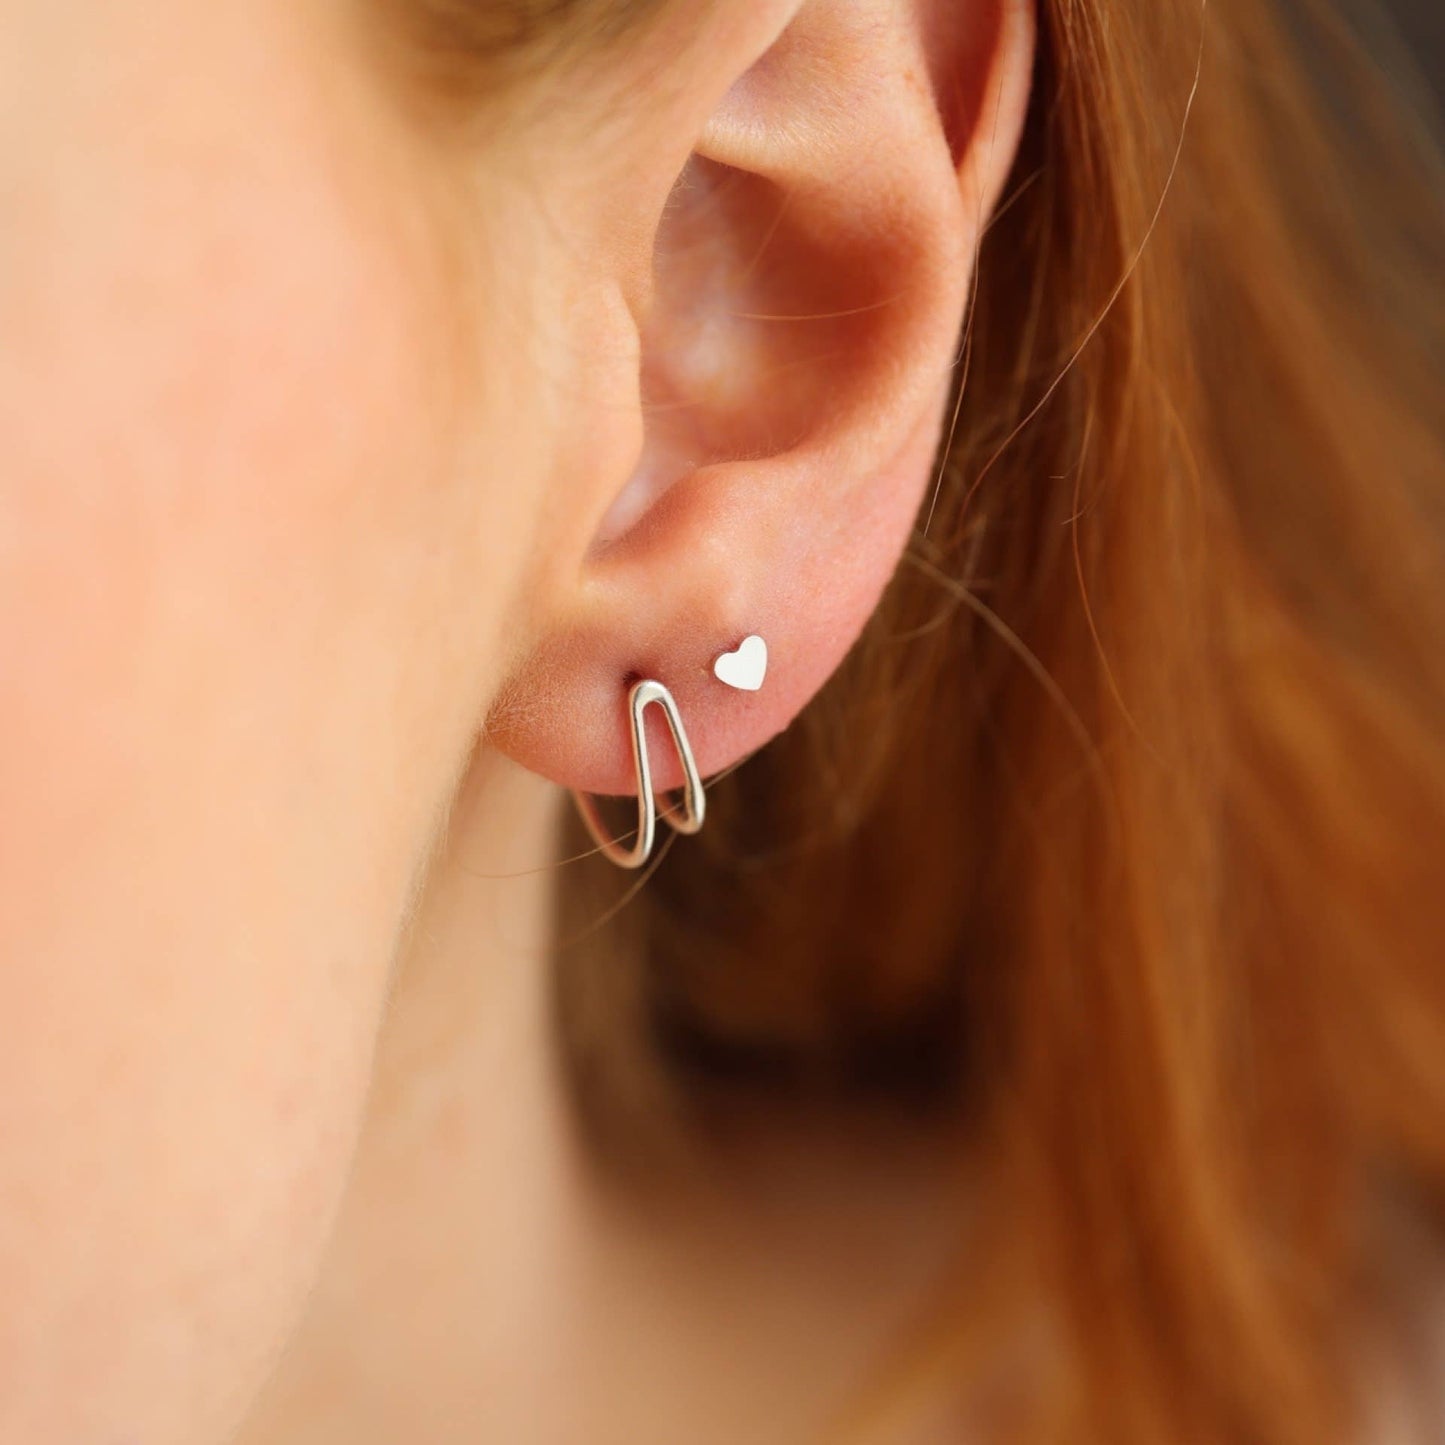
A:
{"x":809,"y":280}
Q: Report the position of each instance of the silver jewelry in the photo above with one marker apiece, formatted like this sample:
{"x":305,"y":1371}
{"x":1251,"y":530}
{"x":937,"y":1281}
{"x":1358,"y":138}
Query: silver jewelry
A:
{"x":746,"y":668}
{"x":694,"y":804}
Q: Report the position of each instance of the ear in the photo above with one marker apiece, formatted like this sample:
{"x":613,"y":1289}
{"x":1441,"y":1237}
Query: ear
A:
{"x":798,"y":294}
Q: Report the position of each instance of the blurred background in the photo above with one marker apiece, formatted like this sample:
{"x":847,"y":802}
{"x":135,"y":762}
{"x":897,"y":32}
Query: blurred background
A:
{"x":1422,"y":25}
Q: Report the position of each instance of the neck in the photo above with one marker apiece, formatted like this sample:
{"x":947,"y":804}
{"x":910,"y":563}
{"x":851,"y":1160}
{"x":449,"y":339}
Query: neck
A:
{"x":482,"y":1276}
{"x":462,"y":1129}
{"x":469,"y":990}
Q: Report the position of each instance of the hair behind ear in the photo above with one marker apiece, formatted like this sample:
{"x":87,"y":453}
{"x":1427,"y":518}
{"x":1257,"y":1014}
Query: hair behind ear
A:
{"x":1121,"y":828}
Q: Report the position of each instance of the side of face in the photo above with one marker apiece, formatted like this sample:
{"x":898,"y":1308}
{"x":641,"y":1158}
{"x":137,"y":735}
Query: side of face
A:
{"x":317,"y":430}
{"x":256,"y":566}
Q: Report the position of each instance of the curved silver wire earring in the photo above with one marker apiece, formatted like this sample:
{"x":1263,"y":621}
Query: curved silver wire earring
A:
{"x":694,"y":805}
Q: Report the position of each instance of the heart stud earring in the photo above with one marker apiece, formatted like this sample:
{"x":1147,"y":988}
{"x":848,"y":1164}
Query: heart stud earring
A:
{"x":745,"y":668}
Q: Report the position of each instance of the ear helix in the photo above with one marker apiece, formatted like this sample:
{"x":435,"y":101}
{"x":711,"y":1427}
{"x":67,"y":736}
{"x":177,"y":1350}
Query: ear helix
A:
{"x":745,"y":669}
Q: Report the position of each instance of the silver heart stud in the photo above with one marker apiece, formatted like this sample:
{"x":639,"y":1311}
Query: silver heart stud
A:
{"x":746,"y":668}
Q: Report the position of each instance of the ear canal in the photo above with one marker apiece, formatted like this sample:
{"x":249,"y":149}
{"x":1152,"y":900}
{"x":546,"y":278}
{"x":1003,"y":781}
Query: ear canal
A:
{"x":694,"y":803}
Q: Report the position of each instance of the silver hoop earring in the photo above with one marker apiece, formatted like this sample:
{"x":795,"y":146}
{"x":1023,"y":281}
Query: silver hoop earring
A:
{"x":694,"y":804}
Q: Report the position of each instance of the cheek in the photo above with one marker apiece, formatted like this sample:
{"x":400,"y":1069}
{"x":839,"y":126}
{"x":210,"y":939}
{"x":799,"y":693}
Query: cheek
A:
{"x":248,"y":611}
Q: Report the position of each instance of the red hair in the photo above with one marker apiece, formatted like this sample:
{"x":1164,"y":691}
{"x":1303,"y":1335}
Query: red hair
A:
{"x":1120,"y":837}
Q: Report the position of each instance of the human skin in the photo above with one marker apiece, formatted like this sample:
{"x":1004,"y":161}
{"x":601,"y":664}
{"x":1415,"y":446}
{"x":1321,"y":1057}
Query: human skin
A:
{"x":312,"y":422}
